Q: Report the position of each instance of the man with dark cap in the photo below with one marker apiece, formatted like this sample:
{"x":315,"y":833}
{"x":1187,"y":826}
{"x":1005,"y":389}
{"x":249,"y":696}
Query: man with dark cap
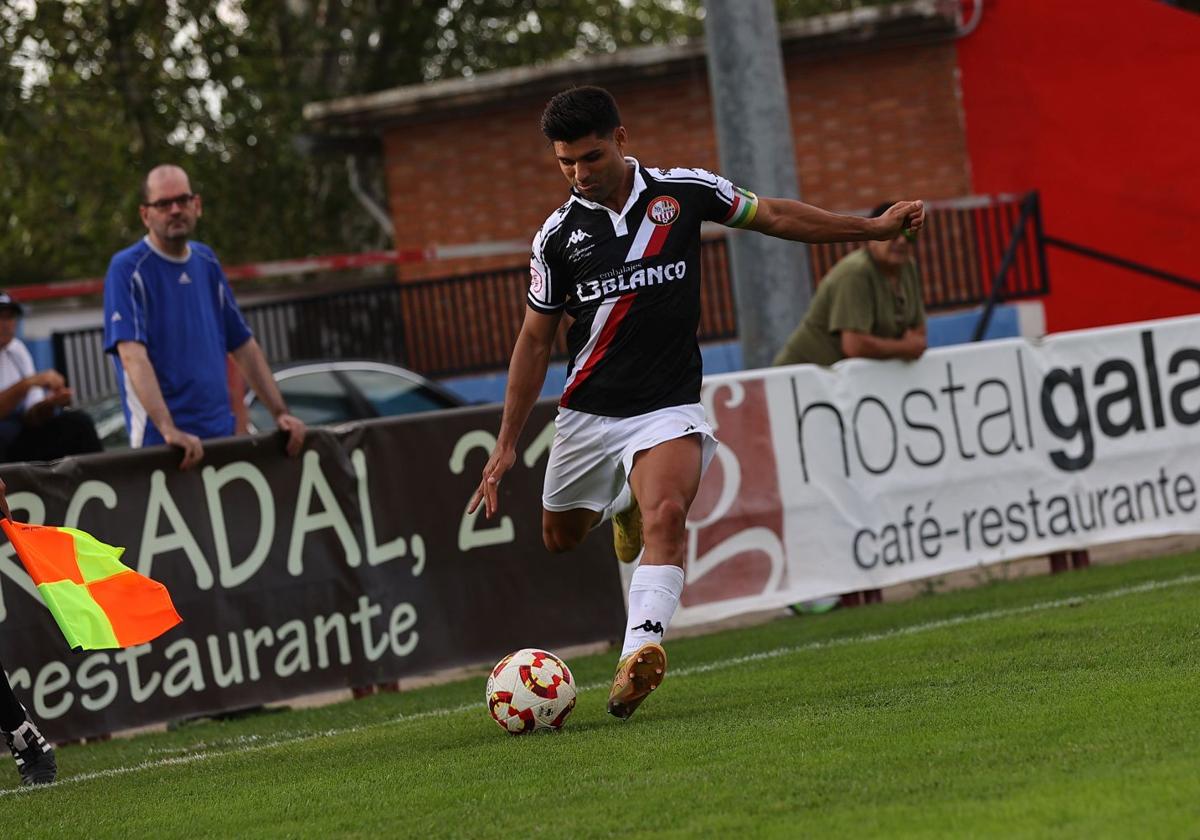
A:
{"x":35,"y":423}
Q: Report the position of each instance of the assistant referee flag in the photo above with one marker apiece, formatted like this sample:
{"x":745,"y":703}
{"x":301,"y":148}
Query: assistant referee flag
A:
{"x":97,"y":601}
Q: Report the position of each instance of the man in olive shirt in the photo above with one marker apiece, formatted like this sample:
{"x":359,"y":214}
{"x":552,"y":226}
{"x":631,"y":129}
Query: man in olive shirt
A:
{"x":868,"y":306}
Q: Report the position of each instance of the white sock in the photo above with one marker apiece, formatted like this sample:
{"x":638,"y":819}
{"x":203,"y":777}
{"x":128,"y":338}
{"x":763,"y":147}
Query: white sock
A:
{"x":623,"y":501}
{"x":653,"y":596}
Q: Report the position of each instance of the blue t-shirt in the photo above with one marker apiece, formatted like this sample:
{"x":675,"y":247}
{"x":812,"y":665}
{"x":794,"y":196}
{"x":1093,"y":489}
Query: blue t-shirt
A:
{"x":185,"y":314}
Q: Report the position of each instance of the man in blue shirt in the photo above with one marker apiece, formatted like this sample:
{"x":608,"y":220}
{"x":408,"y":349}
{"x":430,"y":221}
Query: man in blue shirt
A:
{"x":169,"y":320}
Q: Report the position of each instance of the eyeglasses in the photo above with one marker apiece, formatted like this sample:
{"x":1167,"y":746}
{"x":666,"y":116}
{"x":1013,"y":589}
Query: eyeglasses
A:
{"x":167,"y":203}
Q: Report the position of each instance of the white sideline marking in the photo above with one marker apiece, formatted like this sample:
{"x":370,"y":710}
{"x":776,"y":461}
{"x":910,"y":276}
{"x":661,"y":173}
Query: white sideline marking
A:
{"x":255,"y":743}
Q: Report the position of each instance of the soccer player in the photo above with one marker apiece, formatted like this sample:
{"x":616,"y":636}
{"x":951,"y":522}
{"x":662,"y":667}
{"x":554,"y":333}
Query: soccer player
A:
{"x":622,"y":257}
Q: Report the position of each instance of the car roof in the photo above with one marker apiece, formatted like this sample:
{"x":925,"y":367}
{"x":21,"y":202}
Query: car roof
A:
{"x":290,"y":369}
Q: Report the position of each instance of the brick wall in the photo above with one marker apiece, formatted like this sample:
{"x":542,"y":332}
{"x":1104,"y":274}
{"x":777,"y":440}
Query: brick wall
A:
{"x":868,"y":126}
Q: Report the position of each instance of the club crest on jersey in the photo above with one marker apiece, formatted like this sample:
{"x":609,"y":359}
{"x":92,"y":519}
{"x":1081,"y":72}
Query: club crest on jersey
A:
{"x":663,"y":210}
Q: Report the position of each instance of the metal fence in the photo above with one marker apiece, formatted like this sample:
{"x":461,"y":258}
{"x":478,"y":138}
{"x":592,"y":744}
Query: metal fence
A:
{"x":469,"y":323}
{"x":961,"y":249}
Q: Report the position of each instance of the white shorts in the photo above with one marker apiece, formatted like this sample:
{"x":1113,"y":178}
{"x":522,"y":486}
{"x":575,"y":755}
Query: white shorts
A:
{"x":592,"y":455}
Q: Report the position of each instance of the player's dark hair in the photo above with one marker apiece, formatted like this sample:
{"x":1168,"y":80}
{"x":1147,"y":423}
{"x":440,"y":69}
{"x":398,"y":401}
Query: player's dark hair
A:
{"x":880,"y":209}
{"x":580,"y":112}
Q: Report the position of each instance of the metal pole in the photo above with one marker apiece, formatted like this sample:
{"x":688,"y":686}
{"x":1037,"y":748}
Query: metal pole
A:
{"x":1121,"y":262}
{"x":1028,"y":208}
{"x":771,"y":277}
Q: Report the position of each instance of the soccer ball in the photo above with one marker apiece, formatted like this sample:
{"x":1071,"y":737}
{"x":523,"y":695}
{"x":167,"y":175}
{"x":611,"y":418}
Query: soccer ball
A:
{"x":530,"y":689}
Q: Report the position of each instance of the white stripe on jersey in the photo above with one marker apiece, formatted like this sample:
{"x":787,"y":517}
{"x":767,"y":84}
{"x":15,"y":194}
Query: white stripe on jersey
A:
{"x":137,"y":415}
{"x":585,"y":352}
{"x":702,"y":177}
{"x":537,"y":261}
{"x":684,"y":173}
{"x":138,"y":294}
{"x":638,"y":247}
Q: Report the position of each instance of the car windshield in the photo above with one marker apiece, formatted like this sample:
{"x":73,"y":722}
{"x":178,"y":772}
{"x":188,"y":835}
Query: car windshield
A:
{"x":316,"y":397}
{"x":334,"y":392}
{"x":108,"y":415}
{"x":391,"y":394}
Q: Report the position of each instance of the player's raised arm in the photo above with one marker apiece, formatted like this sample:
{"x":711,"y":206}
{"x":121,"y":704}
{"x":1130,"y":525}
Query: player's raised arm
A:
{"x":788,"y":219}
{"x":526,"y":373}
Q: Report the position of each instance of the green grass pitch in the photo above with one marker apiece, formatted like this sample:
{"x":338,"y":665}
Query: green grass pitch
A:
{"x":1064,"y":706}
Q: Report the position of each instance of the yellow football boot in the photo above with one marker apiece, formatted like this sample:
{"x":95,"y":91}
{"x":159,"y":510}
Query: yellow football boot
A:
{"x":637,"y":675}
{"x":627,"y":533}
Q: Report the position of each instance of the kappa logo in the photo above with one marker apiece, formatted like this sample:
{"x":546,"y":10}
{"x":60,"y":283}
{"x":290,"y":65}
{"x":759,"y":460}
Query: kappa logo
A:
{"x":184,"y":279}
{"x":578,"y":236}
{"x":649,"y":627}
{"x":663,"y":210}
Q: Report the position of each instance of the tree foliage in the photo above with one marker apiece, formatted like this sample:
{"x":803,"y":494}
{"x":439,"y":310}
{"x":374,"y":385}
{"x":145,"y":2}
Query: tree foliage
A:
{"x":92,"y":94}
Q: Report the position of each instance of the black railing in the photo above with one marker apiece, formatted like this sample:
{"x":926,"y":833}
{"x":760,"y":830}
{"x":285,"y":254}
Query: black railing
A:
{"x":441,"y":327}
{"x":1030,"y":217}
{"x":961,"y":249}
{"x":364,"y":323}
{"x":79,"y":355}
{"x":1122,"y":262}
{"x":469,"y":323}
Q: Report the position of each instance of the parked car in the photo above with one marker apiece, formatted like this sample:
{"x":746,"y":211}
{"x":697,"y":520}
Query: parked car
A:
{"x":336,"y":391}
{"x":108,"y":415}
{"x":316,"y":392}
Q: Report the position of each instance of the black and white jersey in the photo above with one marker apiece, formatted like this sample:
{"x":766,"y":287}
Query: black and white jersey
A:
{"x":631,"y":281}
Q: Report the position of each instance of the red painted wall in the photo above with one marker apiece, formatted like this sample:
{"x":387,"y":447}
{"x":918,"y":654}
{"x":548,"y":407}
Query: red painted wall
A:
{"x":1096,"y":104}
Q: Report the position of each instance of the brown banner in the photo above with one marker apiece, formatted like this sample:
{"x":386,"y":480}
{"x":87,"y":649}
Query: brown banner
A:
{"x":351,"y":565}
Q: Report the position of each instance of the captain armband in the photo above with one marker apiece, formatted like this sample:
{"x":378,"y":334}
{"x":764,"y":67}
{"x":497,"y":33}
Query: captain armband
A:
{"x":745,"y":205}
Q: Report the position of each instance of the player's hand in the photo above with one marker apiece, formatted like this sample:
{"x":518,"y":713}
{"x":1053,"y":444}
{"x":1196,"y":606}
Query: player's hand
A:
{"x":193,"y":449}
{"x":295,"y":429}
{"x":914,"y":344}
{"x":901,"y":216}
{"x":49,"y":379}
{"x":40,"y":412}
{"x":60,"y":398}
{"x":489,"y":486}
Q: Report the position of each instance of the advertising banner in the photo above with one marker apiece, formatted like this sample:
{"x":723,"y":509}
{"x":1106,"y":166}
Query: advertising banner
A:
{"x":356,"y":563}
{"x":351,"y":565}
{"x":876,"y":473}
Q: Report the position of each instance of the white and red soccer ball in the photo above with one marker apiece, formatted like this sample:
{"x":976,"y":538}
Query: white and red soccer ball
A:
{"x":529,"y":690}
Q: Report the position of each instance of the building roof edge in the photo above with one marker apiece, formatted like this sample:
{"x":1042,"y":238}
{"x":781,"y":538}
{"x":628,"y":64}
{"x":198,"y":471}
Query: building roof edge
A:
{"x":906,"y":22}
